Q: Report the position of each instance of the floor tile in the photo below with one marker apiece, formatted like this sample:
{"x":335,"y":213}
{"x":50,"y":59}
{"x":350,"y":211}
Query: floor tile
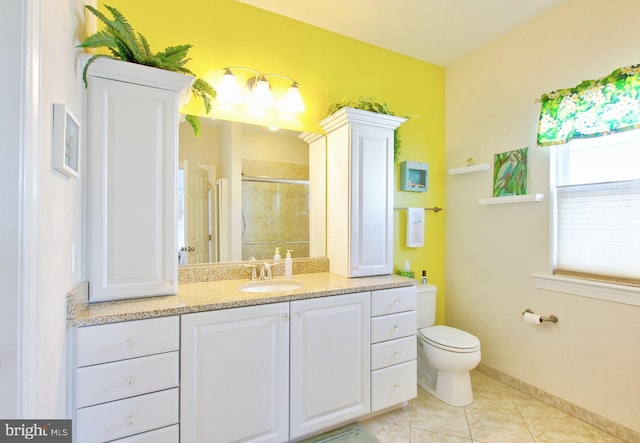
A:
{"x":499,"y":414}
{"x":494,"y":426}
{"x":422,"y":436}
{"x":392,"y":427}
{"x":548,"y":424}
{"x":430,"y":414}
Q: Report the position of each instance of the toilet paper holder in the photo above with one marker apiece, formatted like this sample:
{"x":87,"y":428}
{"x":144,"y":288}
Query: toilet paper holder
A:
{"x":550,"y":318}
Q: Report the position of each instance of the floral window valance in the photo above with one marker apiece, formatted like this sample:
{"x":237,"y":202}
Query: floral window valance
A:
{"x":591,"y":109}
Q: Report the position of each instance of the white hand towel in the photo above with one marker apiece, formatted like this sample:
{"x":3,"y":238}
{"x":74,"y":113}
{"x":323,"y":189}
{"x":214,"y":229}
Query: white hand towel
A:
{"x":415,"y":227}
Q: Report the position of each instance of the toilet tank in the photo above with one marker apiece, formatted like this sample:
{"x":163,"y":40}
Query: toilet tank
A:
{"x":426,"y":305}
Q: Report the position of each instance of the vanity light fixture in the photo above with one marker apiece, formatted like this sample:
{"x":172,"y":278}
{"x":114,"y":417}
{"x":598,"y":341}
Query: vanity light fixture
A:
{"x":258,"y":91}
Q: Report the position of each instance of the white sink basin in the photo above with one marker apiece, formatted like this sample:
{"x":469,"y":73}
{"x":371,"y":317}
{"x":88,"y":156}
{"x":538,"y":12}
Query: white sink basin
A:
{"x":271,"y":286}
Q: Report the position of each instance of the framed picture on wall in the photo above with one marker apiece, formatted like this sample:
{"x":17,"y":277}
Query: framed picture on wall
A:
{"x":414,"y":176}
{"x":510,"y":173}
{"x":66,"y":141}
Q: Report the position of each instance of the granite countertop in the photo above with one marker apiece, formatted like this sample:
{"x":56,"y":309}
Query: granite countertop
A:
{"x":224,"y":294}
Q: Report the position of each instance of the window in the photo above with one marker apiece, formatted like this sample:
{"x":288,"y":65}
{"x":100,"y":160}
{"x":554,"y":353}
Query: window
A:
{"x":597,"y":208}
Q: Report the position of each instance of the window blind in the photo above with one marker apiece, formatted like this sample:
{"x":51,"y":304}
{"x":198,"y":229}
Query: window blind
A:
{"x":598,"y":231}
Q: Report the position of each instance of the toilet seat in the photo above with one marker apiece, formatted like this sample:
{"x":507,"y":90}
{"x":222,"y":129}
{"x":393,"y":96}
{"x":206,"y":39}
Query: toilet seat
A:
{"x":450,"y":339}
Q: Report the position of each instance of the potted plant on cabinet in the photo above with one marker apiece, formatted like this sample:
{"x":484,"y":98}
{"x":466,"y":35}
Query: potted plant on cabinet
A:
{"x":124,"y":44}
{"x":371,"y":105}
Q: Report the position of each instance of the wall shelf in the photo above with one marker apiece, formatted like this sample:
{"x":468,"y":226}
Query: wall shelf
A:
{"x":511,"y":199}
{"x":468,"y":169}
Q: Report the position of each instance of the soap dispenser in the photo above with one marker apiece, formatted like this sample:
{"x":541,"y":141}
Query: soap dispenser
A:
{"x":276,"y":255}
{"x":288,"y":265}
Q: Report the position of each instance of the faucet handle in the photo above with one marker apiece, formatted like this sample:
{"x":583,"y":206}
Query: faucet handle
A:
{"x":266,"y":268}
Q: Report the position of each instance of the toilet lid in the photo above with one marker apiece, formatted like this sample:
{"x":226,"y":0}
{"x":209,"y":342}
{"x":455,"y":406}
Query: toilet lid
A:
{"x":449,"y":338}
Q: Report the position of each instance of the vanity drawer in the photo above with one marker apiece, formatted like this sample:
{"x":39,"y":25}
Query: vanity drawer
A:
{"x":122,"y":418}
{"x":390,"y":301}
{"x":393,"y":385}
{"x":389,"y":327}
{"x":126,"y":378}
{"x":164,"y":435}
{"x":393,"y":352}
{"x":119,"y":341}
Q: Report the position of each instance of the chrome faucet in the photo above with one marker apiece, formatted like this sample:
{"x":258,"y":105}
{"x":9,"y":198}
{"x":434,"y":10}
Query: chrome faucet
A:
{"x":265,"y":271}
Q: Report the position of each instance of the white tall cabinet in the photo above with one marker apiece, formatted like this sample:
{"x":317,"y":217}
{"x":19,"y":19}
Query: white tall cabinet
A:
{"x":132,"y":135}
{"x":360,"y":191}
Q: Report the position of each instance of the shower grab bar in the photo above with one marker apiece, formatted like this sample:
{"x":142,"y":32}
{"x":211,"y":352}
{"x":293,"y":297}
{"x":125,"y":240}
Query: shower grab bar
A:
{"x":286,"y":181}
{"x":434,"y":209}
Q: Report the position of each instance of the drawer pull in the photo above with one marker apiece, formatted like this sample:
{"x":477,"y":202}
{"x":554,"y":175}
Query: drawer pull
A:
{"x":129,"y":381}
{"x":396,"y":388}
{"x":396,"y":354}
{"x":129,"y":342}
{"x":285,"y":316}
{"x":129,"y":420}
{"x":396,"y":301}
{"x":396,"y":328}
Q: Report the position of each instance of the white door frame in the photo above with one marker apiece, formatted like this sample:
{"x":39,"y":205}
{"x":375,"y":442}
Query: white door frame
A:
{"x":19,"y":279}
{"x":29,"y":214}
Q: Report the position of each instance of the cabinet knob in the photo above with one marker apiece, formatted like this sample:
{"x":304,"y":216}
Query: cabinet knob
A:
{"x":396,"y":328}
{"x":285,"y":316}
{"x":396,"y":301}
{"x":396,"y":354}
{"x":129,"y":420}
{"x":129,"y":381}
{"x":129,"y":342}
{"x":396,"y":388}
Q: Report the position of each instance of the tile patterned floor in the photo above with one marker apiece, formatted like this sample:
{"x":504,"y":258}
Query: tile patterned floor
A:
{"x":499,"y":414}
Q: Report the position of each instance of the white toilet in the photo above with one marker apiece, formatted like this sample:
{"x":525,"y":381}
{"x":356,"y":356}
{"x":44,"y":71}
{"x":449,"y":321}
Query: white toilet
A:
{"x":446,"y":355}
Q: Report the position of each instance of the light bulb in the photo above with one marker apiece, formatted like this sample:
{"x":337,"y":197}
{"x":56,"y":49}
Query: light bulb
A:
{"x":292,"y":102}
{"x":228,"y":89}
{"x":261,"y":93}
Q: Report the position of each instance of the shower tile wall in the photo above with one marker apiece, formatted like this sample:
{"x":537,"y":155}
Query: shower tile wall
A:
{"x":274,"y":214}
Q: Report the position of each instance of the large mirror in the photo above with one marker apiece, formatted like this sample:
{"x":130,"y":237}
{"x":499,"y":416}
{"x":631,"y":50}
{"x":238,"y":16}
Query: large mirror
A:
{"x":243,"y":191}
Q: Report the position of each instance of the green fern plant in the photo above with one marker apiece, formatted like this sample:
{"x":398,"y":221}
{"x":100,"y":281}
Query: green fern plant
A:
{"x":127,"y":45}
{"x":371,"y":105}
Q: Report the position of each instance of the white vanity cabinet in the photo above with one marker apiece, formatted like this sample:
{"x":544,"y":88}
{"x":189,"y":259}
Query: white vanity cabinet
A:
{"x":360,"y":191}
{"x":132,"y":135}
{"x":393,"y":347}
{"x":235,"y":375}
{"x":330,"y":375}
{"x":254,"y":374}
{"x":127,"y":381}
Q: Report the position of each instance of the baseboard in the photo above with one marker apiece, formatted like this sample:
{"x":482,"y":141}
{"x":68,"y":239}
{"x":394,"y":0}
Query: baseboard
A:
{"x":598,"y":421}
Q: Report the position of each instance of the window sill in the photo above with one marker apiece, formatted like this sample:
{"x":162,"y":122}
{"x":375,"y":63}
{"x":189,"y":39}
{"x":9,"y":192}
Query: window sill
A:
{"x":629,"y":295}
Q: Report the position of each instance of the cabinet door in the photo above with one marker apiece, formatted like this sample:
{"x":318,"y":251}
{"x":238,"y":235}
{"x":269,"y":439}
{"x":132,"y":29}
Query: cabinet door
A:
{"x":329,"y":362}
{"x":132,"y":133}
{"x":371,"y":238}
{"x":235,"y":374}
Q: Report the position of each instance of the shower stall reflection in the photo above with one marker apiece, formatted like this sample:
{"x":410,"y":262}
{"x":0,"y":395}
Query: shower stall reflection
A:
{"x":275,"y":213}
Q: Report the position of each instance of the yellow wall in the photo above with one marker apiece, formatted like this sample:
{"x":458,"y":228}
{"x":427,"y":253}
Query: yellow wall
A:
{"x":329,"y":68}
